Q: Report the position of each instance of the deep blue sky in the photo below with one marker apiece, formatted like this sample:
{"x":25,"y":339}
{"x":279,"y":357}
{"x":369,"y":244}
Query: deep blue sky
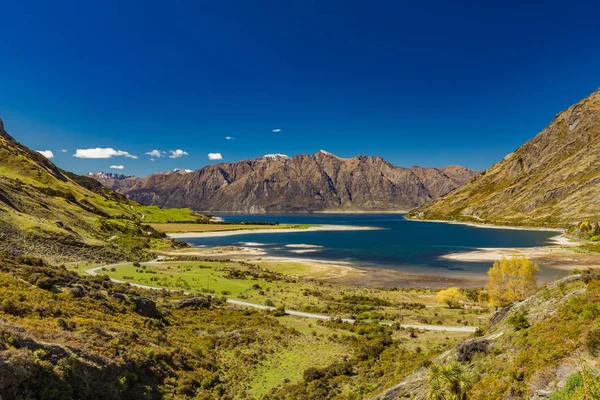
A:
{"x":430,"y":83}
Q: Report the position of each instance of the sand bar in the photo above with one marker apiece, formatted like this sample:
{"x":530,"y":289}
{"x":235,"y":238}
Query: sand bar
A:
{"x":189,"y":235}
{"x":489,"y":226}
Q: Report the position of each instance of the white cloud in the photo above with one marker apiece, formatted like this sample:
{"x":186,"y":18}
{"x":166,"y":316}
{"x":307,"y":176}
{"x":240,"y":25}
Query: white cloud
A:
{"x":276,"y":130}
{"x":117,"y":167}
{"x":215,"y":156}
{"x":64,"y":150}
{"x":156,"y":153}
{"x":228,"y":138}
{"x":177,"y":153}
{"x":102,"y":153}
{"x":152,"y":159}
{"x":46,"y":153}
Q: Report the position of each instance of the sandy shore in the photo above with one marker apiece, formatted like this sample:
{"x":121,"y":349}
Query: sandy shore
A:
{"x":341,"y":272}
{"x":560,"y":256}
{"x":489,"y":226}
{"x":188,"y":235}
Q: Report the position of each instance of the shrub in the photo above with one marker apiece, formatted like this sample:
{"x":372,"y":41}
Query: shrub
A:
{"x":312,"y":374}
{"x":452,"y":297}
{"x":279,"y":311}
{"x":592,"y":341}
{"x":449,"y":381}
{"x":519,"y":320}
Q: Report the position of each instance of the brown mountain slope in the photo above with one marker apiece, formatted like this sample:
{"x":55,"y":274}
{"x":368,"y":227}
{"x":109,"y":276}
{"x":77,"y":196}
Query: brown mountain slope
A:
{"x":301,"y":183}
{"x":553,"y":179}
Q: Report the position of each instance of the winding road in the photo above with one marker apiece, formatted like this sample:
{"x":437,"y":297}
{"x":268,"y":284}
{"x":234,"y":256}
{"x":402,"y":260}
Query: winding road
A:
{"x":466,"y":329}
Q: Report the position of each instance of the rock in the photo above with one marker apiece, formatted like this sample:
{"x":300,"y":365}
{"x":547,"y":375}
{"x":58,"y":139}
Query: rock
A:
{"x":146,"y":307}
{"x":465,"y":350}
{"x":143,"y":306}
{"x":499,"y":315}
{"x":541,"y":395}
{"x":194,"y":302}
{"x":120,"y":297}
{"x":77,"y":291}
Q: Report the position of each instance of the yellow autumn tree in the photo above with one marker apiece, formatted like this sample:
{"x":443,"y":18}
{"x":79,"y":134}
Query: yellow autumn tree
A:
{"x":452,"y":297}
{"x":511,"y":280}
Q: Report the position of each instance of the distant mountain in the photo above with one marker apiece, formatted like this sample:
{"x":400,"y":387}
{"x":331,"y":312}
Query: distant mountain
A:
{"x":109,"y":175}
{"x":60,"y":216}
{"x":278,"y":183}
{"x":553,"y":179}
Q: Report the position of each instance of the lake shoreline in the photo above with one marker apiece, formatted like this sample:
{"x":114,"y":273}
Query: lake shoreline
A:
{"x":340,"y":272}
{"x":371,"y":274}
{"x":489,"y":226}
{"x":323,"y":227}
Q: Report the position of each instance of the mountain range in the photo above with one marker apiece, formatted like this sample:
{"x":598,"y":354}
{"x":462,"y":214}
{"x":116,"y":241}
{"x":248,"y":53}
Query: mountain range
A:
{"x":553,"y":179}
{"x":278,"y":183}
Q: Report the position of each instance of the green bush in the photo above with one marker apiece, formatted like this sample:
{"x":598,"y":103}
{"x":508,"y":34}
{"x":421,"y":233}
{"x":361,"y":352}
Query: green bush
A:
{"x":519,"y":321}
{"x":592,"y":341}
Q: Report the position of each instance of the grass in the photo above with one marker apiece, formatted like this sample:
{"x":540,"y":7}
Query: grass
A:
{"x":158,"y":215}
{"x":259,"y":285}
{"x":307,"y":350}
{"x":222,"y":227}
{"x":298,"y":269}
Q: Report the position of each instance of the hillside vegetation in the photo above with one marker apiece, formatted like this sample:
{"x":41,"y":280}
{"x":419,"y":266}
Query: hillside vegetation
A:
{"x":552,"y":180}
{"x":48,"y":212}
{"x":544,"y":347}
{"x":64,"y":336}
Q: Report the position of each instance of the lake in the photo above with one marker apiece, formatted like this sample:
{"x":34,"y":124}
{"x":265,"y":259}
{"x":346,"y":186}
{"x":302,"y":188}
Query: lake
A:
{"x":401,"y":244}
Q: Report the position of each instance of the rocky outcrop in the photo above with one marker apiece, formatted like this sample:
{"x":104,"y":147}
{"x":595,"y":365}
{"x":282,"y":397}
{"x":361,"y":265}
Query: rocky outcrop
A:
{"x":278,"y":183}
{"x":194,"y":302}
{"x":553,"y":179}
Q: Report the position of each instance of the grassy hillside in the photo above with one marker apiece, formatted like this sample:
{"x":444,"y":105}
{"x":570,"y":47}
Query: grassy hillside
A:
{"x":49,"y":212}
{"x":546,"y":346}
{"x":552,"y":180}
{"x":65,"y":336}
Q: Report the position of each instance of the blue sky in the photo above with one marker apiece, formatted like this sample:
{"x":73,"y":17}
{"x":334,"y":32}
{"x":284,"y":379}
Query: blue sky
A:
{"x":426,"y":83}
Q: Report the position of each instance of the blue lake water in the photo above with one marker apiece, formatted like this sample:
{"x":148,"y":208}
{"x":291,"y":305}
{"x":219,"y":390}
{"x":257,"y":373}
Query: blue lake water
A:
{"x":399,"y":244}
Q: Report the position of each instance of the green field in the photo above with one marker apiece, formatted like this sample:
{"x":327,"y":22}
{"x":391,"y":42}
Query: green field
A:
{"x":158,"y":215}
{"x":254,"y":284}
{"x":216,"y":227}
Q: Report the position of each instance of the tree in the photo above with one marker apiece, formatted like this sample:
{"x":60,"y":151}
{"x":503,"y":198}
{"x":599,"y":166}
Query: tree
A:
{"x":584,"y":228}
{"x":511,"y":280}
{"x":449,"y":382}
{"x":452,"y":297}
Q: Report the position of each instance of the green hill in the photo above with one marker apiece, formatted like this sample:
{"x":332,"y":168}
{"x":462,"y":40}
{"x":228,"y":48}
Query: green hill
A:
{"x":58,"y":215}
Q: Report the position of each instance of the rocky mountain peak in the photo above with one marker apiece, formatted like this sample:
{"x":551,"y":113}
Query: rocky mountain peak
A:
{"x":278,"y":183}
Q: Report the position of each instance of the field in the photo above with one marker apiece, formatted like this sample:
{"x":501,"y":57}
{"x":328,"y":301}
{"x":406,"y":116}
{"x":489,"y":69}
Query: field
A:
{"x":176,"y":227}
{"x":266,"y":286}
{"x":157,"y":215}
